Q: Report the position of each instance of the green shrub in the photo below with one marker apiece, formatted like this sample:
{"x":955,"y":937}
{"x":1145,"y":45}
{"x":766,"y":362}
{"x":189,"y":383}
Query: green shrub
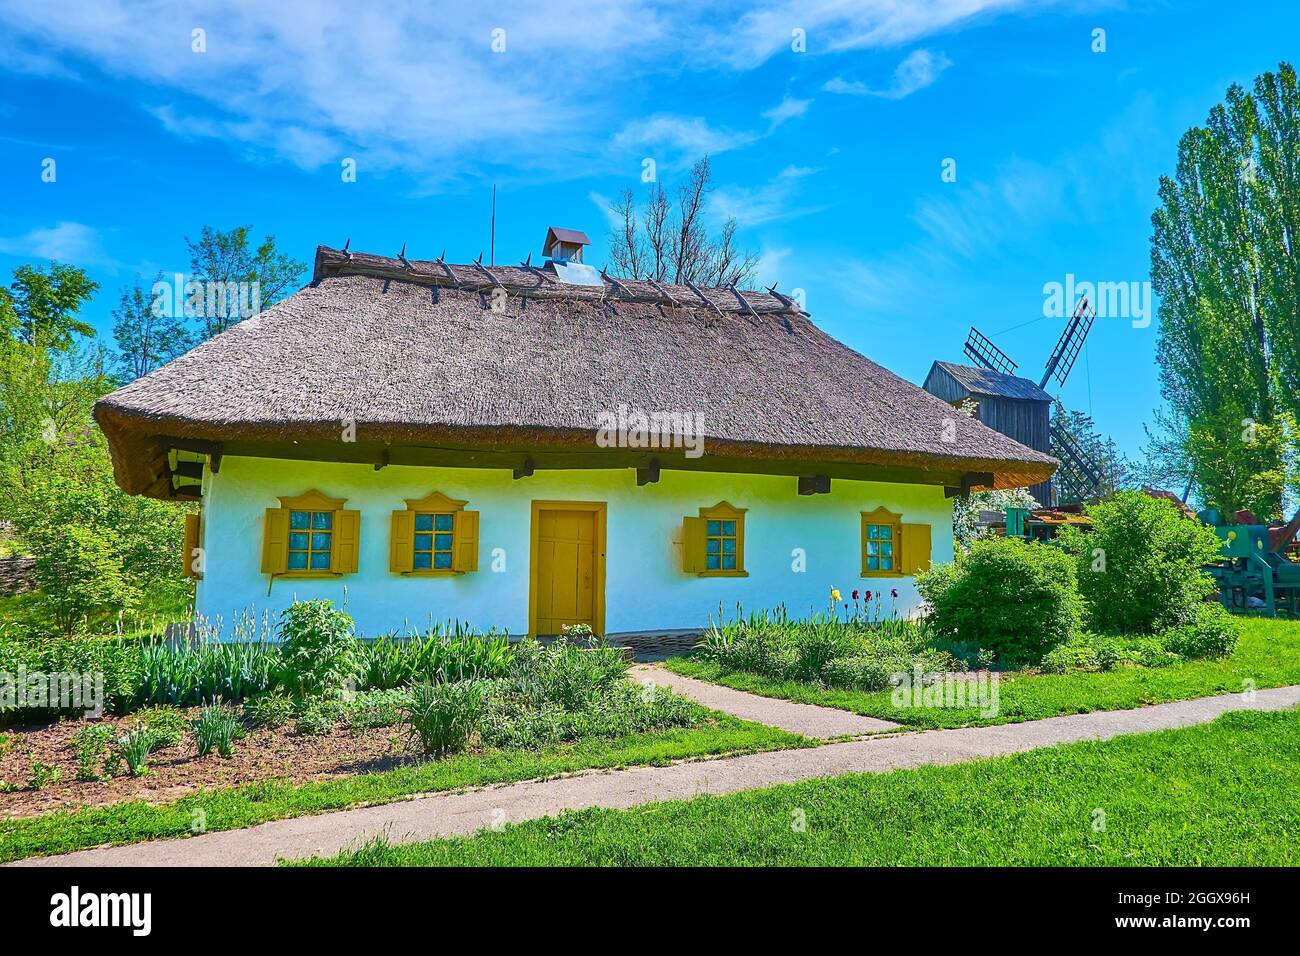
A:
{"x":625,"y":708}
{"x":91,"y":746}
{"x":204,"y":672}
{"x":269,"y":710}
{"x":442,"y":716}
{"x":80,"y":574}
{"x":217,"y":728}
{"x":1213,"y":632}
{"x":167,"y":723}
{"x":1091,"y":653}
{"x":376,"y":708}
{"x":454,"y":654}
{"x":42,"y":774}
{"x":319,"y":652}
{"x":318,"y":716}
{"x":1015,"y":598}
{"x":565,"y":675}
{"x":1140,"y":567}
{"x":134,"y":749}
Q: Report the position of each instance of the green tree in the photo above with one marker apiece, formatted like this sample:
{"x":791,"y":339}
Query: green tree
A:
{"x":42,"y":304}
{"x":1223,"y":261}
{"x":224,"y":259}
{"x":1099,"y":451}
{"x":147,"y":336}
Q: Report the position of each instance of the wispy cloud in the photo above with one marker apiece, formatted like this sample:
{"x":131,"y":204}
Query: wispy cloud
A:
{"x":681,"y":139}
{"x":919,"y":70}
{"x":64,"y":241}
{"x":788,"y":109}
{"x":774,"y":200}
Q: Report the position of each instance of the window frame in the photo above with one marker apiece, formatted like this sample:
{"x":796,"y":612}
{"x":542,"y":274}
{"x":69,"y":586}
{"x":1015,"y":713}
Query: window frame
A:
{"x":311,"y":502}
{"x":434,"y":503}
{"x":882,"y":516}
{"x":724,"y":511}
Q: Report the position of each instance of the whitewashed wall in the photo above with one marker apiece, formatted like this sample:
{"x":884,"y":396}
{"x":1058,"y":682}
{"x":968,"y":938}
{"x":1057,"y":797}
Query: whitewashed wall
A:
{"x":645,"y":588}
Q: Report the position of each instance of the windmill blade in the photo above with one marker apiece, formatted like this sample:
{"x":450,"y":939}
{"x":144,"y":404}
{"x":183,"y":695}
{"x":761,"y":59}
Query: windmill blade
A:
{"x":1070,"y":344}
{"x":1077,"y":477}
{"x":987,"y":355}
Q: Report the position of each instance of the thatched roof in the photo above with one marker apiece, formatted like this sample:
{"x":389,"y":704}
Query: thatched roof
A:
{"x":469,"y":364}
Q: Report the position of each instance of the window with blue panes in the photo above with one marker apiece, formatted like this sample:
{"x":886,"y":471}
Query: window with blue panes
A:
{"x":878,"y":539}
{"x":434,"y":532}
{"x":720,"y":544}
{"x":311,"y":535}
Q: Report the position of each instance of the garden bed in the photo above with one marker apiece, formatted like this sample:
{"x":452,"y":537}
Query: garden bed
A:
{"x":177,"y":771}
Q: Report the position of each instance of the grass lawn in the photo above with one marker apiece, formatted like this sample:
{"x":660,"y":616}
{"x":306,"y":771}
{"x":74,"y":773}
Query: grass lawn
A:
{"x":132,"y":822}
{"x":1268,"y":654}
{"x":1219,"y":794}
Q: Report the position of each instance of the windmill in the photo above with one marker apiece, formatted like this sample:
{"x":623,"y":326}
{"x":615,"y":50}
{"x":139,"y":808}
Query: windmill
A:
{"x":1013,"y":405}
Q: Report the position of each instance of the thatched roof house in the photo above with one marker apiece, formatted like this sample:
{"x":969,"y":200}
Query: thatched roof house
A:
{"x":377,"y":426}
{"x":419,"y":357}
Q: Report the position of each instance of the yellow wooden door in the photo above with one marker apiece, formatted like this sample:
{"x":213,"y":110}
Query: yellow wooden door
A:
{"x":566,"y":567}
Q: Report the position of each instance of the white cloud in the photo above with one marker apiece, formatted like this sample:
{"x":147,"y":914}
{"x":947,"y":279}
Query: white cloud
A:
{"x":775,"y":200}
{"x":72,"y":242}
{"x":682,"y":138}
{"x":920,"y":69}
{"x":788,"y":109}
{"x":837,"y":25}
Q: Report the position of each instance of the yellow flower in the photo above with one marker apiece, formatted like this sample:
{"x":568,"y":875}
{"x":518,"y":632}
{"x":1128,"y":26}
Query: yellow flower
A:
{"x":835,"y":594}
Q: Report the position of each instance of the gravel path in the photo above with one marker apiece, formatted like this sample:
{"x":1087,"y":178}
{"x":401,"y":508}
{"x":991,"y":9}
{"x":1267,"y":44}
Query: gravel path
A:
{"x":809,"y":720}
{"x":450,"y":814}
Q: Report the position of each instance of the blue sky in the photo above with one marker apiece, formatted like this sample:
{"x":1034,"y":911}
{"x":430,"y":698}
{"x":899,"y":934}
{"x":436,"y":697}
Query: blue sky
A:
{"x":830,"y":158}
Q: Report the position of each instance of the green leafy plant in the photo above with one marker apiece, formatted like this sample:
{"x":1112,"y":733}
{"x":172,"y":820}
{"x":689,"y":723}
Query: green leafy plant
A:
{"x":269,"y":710}
{"x":319,"y":652}
{"x":1140,"y":567}
{"x":1212,"y":632}
{"x":319,"y":716}
{"x":377,"y":708}
{"x":134,"y":749}
{"x":217,"y":728}
{"x":90,"y":744}
{"x":167,"y":724}
{"x":442,"y":716}
{"x":1015,"y":598}
{"x":42,"y":774}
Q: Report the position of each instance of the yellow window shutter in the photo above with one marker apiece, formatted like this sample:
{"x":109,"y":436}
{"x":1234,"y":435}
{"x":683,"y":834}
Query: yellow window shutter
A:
{"x":464,"y":553}
{"x":275,"y":541}
{"x":401,"y":542}
{"x":916,"y":548}
{"x":345,"y":548}
{"x":693,"y":545}
{"x":190,"y":553}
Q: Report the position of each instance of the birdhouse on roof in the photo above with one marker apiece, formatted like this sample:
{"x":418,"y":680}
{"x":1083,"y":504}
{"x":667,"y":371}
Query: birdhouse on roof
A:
{"x":564,"y":244}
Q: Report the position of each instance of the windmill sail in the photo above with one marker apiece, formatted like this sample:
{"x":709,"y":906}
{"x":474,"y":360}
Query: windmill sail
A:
{"x":984,"y":353}
{"x":1078,"y":477}
{"x":1070,"y":344}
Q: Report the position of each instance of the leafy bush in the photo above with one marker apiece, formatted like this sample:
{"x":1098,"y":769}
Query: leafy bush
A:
{"x":1090,"y":653}
{"x":856,"y":653}
{"x":319,"y":652}
{"x":318,"y":716}
{"x":269,"y":710}
{"x":565,"y":675}
{"x":42,"y":774}
{"x":217,"y":728}
{"x":377,"y":708}
{"x":511,"y":721}
{"x":442,"y":716}
{"x":1140,"y":567}
{"x":91,"y":746}
{"x":1213,"y":632}
{"x":80,"y":575}
{"x":167,"y":723}
{"x":1015,"y":598}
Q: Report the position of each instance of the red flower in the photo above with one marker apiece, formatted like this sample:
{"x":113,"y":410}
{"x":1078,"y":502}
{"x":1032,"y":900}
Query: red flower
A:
{"x":868,"y":596}
{"x":893,"y":592}
{"x":855,"y":595}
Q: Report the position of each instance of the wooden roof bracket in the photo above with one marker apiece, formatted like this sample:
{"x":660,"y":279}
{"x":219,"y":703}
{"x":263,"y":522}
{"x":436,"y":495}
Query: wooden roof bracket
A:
{"x":968,"y":480}
{"x":703,"y":298}
{"x":649,"y":474}
{"x":618,"y":286}
{"x":744,"y":303}
{"x":447,"y":269}
{"x":664,"y":292}
{"x":785,"y":300}
{"x":478,"y":264}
